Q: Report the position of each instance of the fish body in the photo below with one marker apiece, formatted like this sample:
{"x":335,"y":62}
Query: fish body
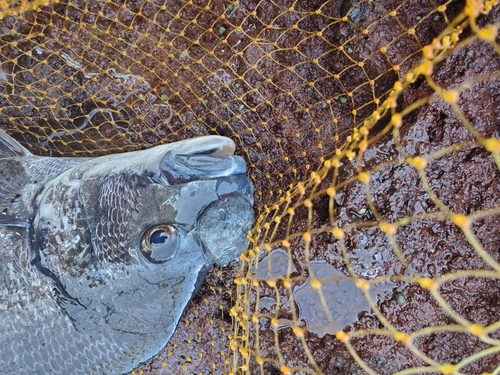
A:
{"x":100,"y":256}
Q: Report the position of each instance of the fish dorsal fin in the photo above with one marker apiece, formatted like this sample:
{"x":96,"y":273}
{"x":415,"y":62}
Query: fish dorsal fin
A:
{"x":9,"y":147}
{"x":13,"y":179}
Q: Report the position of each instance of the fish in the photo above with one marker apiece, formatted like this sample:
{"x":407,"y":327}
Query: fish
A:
{"x":101,"y":255}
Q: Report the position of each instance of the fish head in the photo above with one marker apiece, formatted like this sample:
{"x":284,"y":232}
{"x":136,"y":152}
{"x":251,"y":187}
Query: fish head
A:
{"x":127,"y":239}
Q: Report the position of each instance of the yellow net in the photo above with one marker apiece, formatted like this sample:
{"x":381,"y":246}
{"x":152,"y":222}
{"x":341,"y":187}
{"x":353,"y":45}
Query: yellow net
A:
{"x":371,"y":131}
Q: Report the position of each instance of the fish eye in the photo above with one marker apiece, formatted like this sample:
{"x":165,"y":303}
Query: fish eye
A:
{"x":159,"y":243}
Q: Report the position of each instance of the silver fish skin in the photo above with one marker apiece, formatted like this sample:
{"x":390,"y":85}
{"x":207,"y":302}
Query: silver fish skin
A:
{"x":100,"y":256}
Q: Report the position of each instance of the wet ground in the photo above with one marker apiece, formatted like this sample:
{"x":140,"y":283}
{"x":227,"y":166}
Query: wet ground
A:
{"x":106,"y":77}
{"x":466,"y":181}
{"x":89,"y":77}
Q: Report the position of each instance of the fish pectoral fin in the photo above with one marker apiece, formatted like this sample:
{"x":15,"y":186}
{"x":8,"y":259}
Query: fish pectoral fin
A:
{"x":9,"y":147}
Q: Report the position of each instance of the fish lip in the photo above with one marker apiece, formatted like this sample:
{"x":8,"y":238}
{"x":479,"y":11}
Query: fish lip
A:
{"x":236,"y":183}
{"x":201,"y":158}
{"x":214,"y":145}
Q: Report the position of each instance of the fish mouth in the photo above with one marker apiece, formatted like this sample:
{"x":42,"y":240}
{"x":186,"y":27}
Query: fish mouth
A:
{"x":223,"y":224}
{"x":201,"y":158}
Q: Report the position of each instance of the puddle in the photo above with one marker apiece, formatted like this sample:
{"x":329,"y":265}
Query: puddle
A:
{"x":275,"y":265}
{"x":88,"y":120}
{"x":267,"y":303}
{"x":344,"y":300}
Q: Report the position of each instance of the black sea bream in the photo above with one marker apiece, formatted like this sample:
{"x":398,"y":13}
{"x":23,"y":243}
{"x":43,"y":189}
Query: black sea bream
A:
{"x":100,"y":256}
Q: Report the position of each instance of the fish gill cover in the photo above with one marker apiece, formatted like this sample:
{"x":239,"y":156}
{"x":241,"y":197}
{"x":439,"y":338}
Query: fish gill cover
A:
{"x":371,"y":131}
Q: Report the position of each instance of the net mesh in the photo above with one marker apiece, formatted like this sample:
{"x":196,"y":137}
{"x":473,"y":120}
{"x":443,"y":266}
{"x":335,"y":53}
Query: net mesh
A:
{"x":371,"y":132}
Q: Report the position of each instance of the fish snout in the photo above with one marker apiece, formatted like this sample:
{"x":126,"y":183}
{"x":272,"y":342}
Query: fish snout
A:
{"x":223,"y":224}
{"x":223,"y":227}
{"x":201,"y":158}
